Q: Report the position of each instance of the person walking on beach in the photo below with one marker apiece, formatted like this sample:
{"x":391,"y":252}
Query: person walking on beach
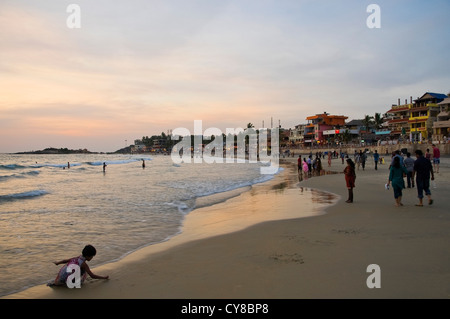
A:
{"x":363,"y":157}
{"x":358,"y":160}
{"x":422,"y":171}
{"x":394,"y":155}
{"x":396,"y":177}
{"x":87,"y":254}
{"x":104,"y":167}
{"x":350,"y":177}
{"x":428,"y":154}
{"x":376,"y":157}
{"x":319,"y":167}
{"x":409,"y":164}
{"x":143,"y":163}
{"x":309,"y":162}
{"x":436,"y":158}
{"x":299,"y":164}
{"x":305,"y":168}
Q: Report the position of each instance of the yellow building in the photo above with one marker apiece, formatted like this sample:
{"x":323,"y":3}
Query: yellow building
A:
{"x":423,"y":113}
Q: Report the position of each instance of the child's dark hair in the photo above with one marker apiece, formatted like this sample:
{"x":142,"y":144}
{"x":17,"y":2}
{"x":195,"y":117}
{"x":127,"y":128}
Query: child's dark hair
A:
{"x":350,"y":162}
{"x":89,"y":251}
{"x":396,"y":162}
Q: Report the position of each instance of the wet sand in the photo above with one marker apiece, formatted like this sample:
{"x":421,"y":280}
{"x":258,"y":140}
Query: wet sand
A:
{"x":236,"y":250}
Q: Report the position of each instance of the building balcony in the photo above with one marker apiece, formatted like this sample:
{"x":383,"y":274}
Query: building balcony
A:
{"x":443,"y":115}
{"x":404,"y":119}
{"x":441,"y":124}
{"x":400,"y":109}
{"x":420,"y":118}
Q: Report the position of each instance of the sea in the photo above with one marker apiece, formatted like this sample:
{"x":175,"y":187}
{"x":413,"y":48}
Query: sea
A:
{"x":52,"y":205}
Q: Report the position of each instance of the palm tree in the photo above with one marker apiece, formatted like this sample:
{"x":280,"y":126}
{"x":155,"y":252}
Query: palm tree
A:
{"x":378,"y":120}
{"x":367,"y":121}
{"x":346,"y":136}
{"x":250,"y":125}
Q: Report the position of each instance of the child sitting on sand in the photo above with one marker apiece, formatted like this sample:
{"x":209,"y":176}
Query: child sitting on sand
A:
{"x":88,"y":253}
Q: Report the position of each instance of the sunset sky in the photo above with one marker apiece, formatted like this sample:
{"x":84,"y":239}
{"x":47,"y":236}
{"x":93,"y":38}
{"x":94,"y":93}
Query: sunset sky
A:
{"x":141,"y":67}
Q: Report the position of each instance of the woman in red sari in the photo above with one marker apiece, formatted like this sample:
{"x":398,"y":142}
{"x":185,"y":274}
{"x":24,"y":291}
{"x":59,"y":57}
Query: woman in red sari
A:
{"x":350,"y":177}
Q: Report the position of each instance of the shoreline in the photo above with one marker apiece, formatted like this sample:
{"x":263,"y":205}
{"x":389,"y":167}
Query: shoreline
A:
{"x":323,"y":256}
{"x":200,"y":216}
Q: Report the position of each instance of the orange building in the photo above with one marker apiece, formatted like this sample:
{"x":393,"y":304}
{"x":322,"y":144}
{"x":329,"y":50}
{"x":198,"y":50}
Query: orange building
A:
{"x":319,"y":123}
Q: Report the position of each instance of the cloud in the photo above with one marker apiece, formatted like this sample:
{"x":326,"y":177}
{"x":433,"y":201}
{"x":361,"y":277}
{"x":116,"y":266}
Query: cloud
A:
{"x":141,"y":67}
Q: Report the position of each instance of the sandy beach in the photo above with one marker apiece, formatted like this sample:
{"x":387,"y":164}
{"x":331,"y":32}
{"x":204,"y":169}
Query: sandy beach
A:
{"x":257,"y":246}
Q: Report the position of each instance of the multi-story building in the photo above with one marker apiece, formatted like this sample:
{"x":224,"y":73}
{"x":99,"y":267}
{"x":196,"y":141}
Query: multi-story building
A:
{"x":297,"y":135}
{"x":398,"y":117}
{"x":423,"y":113}
{"x":319,"y":123}
{"x":348,"y":133}
{"x":441,"y":128}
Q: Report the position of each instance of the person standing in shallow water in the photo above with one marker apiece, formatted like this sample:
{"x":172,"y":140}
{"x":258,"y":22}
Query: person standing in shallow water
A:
{"x":350,"y":177}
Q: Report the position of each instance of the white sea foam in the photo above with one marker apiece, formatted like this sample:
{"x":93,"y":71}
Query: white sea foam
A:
{"x":23,"y":195}
{"x":116,"y":162}
{"x":52,"y":209}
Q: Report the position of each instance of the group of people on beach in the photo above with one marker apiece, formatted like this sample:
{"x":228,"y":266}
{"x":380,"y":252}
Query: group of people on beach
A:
{"x":421,"y":170}
{"x":309,"y":167}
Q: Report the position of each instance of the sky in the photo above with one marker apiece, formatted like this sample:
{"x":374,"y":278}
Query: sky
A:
{"x":116,"y":71}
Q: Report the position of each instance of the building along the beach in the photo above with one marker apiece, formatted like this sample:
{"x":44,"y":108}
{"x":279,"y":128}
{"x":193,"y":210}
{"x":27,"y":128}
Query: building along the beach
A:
{"x":441,"y":128}
{"x":398,"y":116}
{"x":423,"y":113}
{"x":297,"y":135}
{"x":319,"y":123}
{"x":350,"y":132}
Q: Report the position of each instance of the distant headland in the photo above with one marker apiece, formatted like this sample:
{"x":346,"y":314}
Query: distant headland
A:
{"x":52,"y":150}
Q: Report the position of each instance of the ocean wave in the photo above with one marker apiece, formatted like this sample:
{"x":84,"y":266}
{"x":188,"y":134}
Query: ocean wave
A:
{"x":21,"y":175}
{"x":183,"y":206}
{"x":23,"y":195}
{"x":209,"y":194}
{"x":11,"y":166}
{"x":54,"y":165}
{"x":127,"y":161}
{"x":207,"y":188}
